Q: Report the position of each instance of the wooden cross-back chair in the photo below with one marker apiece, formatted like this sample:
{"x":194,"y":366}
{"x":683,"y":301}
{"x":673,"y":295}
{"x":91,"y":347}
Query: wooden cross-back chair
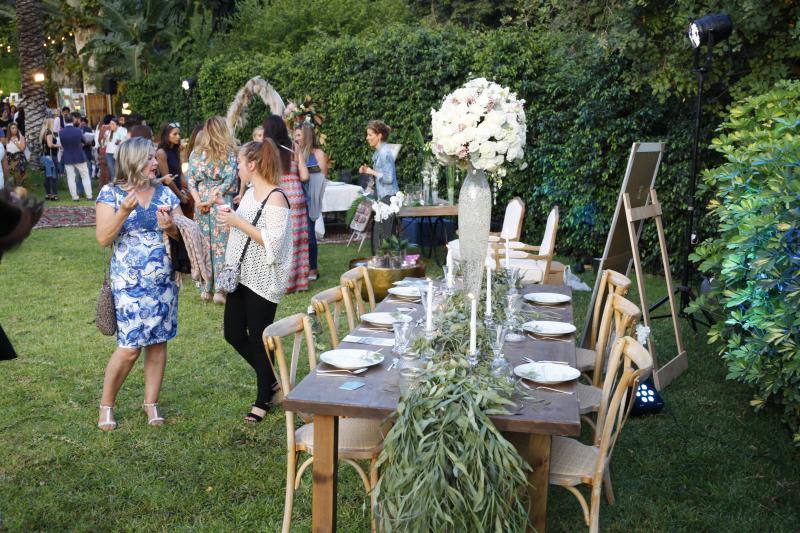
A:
{"x":352,"y":282}
{"x":535,"y":267}
{"x":327,"y":305}
{"x":573,"y":463}
{"x":620,"y":315}
{"x":611,"y":282}
{"x":358,"y":438}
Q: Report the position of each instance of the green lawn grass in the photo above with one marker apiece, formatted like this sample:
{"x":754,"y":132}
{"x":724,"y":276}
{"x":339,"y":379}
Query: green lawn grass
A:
{"x":708,"y":463}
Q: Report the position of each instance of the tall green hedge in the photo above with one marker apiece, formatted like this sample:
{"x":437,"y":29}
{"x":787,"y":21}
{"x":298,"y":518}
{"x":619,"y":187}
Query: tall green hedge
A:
{"x":755,"y":258}
{"x":582,"y":117}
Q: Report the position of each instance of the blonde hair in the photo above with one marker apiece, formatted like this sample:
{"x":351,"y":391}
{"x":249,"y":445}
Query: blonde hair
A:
{"x":256,"y":131}
{"x":47,"y":125}
{"x":132,"y":158}
{"x":308,"y":141}
{"x":216,"y":142}
{"x":265,"y":155}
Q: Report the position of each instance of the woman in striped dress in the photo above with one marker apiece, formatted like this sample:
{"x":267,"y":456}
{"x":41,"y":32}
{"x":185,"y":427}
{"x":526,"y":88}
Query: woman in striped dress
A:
{"x":275,"y":129}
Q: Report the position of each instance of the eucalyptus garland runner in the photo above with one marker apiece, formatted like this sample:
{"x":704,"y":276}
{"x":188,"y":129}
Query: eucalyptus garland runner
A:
{"x":444,"y":465}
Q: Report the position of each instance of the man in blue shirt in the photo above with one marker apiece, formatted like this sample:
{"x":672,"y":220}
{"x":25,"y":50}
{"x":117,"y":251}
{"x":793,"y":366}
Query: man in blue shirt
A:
{"x":71,"y":139}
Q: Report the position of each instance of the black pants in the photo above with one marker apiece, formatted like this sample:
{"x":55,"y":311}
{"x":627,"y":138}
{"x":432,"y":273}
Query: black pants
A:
{"x":246,"y":316}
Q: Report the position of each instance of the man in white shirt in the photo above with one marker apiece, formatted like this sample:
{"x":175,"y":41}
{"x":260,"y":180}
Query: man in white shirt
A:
{"x":116,"y":135}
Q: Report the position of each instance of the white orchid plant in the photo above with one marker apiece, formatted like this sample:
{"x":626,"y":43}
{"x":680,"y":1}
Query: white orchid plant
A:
{"x":384,"y":211}
{"x":480,"y":124}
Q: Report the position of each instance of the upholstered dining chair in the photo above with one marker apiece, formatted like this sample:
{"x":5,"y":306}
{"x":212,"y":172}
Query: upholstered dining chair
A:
{"x":511,"y":230}
{"x":359,"y":439}
{"x":573,"y":463}
{"x":352,"y":282}
{"x":611,"y":282}
{"x":327,"y":306}
{"x":619,"y":317}
{"x":535,"y":267}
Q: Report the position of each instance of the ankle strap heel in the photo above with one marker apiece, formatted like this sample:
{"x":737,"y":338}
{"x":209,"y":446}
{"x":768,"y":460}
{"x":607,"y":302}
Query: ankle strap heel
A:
{"x":154,"y":417}
{"x":107,"y":420}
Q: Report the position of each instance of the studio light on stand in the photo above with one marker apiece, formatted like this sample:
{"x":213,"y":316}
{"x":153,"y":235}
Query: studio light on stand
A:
{"x":708,"y":31}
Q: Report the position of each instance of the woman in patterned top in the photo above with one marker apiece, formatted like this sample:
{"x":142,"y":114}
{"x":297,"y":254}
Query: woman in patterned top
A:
{"x":275,"y":129}
{"x":212,"y":174}
{"x":133,"y":214}
{"x":266,"y":265}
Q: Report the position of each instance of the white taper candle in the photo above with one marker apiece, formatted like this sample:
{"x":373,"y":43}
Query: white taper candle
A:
{"x":488,"y":291}
{"x":429,"y":315}
{"x":473,"y":325}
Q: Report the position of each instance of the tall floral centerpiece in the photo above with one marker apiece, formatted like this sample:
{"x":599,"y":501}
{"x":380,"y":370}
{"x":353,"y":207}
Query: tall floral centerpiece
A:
{"x":480,"y":127}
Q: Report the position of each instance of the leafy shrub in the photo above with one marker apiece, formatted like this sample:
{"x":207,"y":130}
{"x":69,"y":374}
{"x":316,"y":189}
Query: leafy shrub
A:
{"x":755,"y":257}
{"x":582,"y":118}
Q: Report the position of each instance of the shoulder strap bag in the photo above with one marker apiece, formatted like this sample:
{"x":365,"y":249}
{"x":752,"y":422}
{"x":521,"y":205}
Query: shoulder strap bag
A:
{"x":229,"y":276}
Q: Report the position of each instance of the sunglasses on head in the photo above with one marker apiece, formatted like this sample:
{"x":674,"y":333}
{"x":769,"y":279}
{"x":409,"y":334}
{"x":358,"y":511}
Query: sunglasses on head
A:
{"x":174,"y":124}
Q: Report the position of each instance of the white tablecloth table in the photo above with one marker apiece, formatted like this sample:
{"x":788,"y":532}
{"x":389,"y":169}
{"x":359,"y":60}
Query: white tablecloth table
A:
{"x":338,"y":196}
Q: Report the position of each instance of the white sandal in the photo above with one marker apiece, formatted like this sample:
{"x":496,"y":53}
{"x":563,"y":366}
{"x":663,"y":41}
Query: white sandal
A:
{"x":156,"y":419}
{"x":108,"y":422}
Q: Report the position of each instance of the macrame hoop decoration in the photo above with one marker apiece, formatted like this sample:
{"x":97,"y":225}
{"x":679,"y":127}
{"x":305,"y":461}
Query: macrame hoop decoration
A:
{"x":257,"y":86}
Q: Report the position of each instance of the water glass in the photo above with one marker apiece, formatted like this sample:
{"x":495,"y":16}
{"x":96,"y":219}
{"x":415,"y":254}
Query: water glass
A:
{"x":409,"y":379}
{"x":402,"y":336}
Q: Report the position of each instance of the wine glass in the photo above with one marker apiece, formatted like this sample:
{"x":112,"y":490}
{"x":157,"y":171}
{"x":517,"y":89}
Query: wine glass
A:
{"x":513,"y":303}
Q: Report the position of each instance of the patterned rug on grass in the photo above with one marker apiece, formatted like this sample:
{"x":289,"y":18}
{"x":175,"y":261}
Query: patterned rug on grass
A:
{"x":67,"y":216}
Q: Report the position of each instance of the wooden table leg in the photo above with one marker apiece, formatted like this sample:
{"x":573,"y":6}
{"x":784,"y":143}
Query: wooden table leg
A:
{"x":326,"y":446}
{"x":535,"y":449}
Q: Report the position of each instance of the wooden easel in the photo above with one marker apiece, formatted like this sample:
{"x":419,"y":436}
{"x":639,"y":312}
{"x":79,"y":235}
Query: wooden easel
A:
{"x":662,"y":375}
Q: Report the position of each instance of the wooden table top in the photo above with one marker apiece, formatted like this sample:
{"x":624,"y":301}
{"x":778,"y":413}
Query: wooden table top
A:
{"x":378,"y":398}
{"x":445,"y":210}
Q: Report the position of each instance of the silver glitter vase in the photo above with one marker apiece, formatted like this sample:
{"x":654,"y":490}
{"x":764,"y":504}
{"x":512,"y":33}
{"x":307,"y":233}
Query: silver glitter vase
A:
{"x":474,"y":215}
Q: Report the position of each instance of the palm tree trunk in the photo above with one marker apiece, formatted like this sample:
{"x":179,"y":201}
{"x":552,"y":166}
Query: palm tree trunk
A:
{"x":31,"y":61}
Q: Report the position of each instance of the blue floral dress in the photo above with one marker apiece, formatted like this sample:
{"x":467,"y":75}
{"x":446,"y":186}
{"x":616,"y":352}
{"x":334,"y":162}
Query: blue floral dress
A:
{"x":145,"y":295}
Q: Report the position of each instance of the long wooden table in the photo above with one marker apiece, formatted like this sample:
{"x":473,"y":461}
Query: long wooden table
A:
{"x":431,"y":217}
{"x":530,"y":431}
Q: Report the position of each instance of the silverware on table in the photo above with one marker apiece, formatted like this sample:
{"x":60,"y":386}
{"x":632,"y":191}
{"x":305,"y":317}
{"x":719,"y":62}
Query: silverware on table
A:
{"x":547,"y":338}
{"x":542,"y":387}
{"x":529,"y":360}
{"x":342,"y":372}
{"x":394,"y":364}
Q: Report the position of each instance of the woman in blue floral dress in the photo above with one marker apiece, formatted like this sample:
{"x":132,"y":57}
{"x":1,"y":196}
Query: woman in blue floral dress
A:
{"x":133,"y":214}
{"x":213,"y":180}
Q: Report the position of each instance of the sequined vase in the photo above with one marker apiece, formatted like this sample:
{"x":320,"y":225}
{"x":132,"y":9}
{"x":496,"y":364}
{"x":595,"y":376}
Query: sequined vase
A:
{"x":474,"y":216}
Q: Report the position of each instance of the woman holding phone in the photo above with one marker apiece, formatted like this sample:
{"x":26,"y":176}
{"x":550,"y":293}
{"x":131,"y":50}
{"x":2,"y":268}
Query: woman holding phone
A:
{"x":168,"y":156}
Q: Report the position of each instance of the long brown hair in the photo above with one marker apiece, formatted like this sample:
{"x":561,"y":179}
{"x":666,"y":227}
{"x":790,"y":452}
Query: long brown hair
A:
{"x":265,"y":155}
{"x":275,"y":129}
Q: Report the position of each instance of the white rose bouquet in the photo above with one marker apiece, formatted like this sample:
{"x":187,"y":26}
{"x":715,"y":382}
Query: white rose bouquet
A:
{"x":482,"y":124}
{"x":384,"y":211}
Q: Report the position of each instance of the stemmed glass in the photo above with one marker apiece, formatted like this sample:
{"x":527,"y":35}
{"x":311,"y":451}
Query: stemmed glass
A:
{"x":500,"y":368}
{"x":513,"y":303}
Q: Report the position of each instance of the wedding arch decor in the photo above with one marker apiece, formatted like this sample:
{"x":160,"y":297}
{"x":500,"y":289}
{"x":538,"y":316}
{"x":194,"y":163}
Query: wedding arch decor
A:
{"x":256,"y":86}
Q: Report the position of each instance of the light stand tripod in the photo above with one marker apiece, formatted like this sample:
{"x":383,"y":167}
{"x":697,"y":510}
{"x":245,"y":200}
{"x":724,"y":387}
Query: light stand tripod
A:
{"x":709,"y":30}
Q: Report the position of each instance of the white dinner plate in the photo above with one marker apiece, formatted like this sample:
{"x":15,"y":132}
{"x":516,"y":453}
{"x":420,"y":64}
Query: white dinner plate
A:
{"x":350,"y":359}
{"x":547,"y":373}
{"x":548,"y":328}
{"x":410,"y":293}
{"x":547,"y":298}
{"x":385,"y":319}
